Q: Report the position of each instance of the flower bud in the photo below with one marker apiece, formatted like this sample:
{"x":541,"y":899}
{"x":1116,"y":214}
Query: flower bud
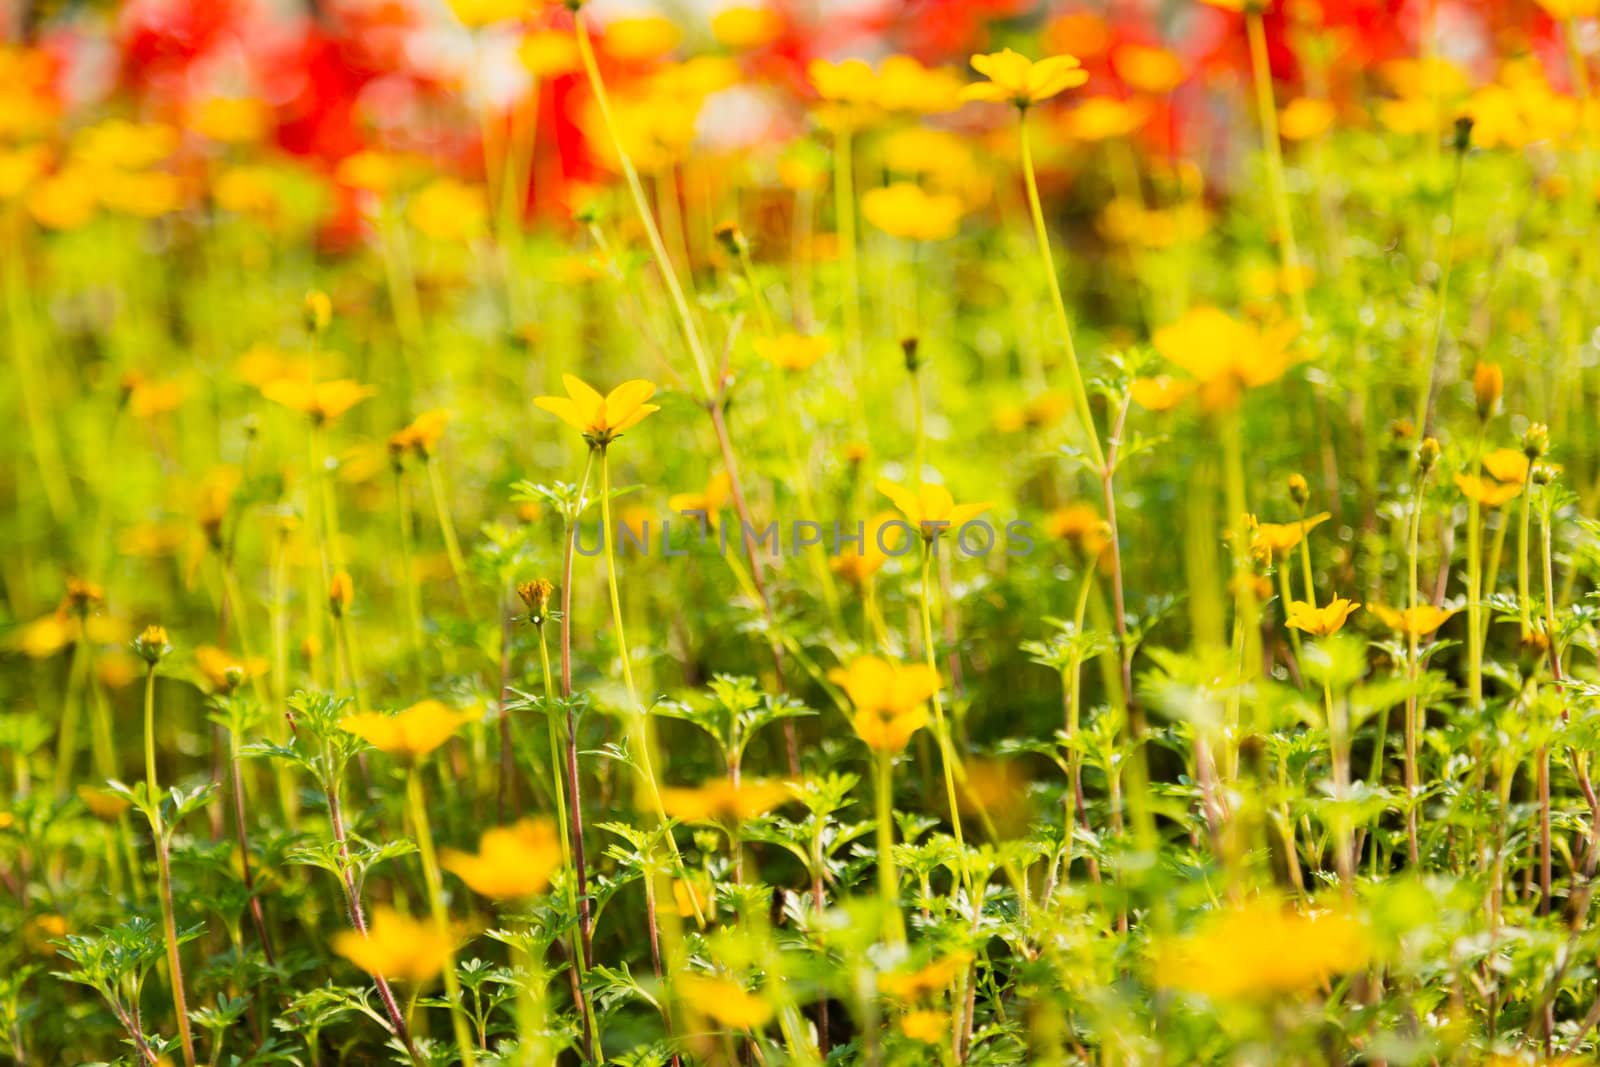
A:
{"x":1488,"y":382}
{"x":1427,"y":454}
{"x":341,"y":592}
{"x":731,"y":238}
{"x":1536,"y":440}
{"x":152,"y":645}
{"x":1299,"y":491}
{"x":1543,"y":474}
{"x":536,"y":595}
{"x":318,"y":311}
{"x":909,"y":346}
{"x":1463,"y":133}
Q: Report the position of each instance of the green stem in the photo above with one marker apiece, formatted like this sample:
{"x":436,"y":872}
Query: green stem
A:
{"x":1267,"y":111}
{"x":441,"y":918}
{"x":888,"y":875}
{"x":1080,"y":395}
{"x":169,"y":921}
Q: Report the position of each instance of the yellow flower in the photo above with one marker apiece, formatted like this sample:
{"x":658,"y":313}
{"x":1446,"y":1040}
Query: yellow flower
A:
{"x":369,"y":170}
{"x":929,"y":1027}
{"x":1305,"y":119}
{"x":1270,"y":540}
{"x":881,"y":536}
{"x":476,"y":13}
{"x":906,"y":86}
{"x":246,"y":191}
{"x":692,"y":895}
{"x":421,"y":435}
{"x":931,"y":508}
{"x":1224,"y":355}
{"x":64,"y":201}
{"x":1419,"y":621}
{"x":1571,"y":9}
{"x":231,"y":119}
{"x":396,"y":946}
{"x":746,"y":28}
{"x":46,"y":635}
{"x":791,"y":351}
{"x":721,"y":798}
{"x":122,"y":145}
{"x":1261,"y":950}
{"x":1081,"y":525}
{"x":726,"y":1001}
{"x":19,"y":168}
{"x":323,"y":401}
{"x":148,"y":399}
{"x":711,"y":500}
{"x":1488,"y":384}
{"x":904,"y":210}
{"x":411,"y":734}
{"x":102,"y":803}
{"x":1020,"y":80}
{"x":1149,"y":70}
{"x":511,"y":862}
{"x":640,"y":39}
{"x":889,"y":697}
{"x":1103,"y":118}
{"x":848,"y":91}
{"x":548,"y":53}
{"x":448,"y":210}
{"x":1322,"y":621}
{"x":1160,"y":393}
{"x":224,"y":670}
{"x":927,"y":980}
{"x":1507,"y":464}
{"x":600,"y":418}
{"x":1490,"y":494}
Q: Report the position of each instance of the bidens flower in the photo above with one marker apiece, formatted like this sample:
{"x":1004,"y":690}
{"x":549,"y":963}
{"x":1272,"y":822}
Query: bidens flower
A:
{"x":511,"y":862}
{"x":1419,"y":621}
{"x":1016,"y":78}
{"x":791,"y":351}
{"x":601,"y":419}
{"x":1320,"y":622}
{"x":396,"y":946}
{"x":411,"y":734}
{"x":931,"y":508}
{"x":723,"y":798}
{"x":1224,"y":355}
{"x":890,"y":699}
{"x":1269,"y":540}
{"x":1260,"y":950}
{"x":904,"y":210}
{"x":726,"y":1001}
{"x":323,"y":401}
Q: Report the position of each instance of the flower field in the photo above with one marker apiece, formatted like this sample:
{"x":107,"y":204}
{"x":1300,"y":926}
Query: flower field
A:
{"x":900,"y":532}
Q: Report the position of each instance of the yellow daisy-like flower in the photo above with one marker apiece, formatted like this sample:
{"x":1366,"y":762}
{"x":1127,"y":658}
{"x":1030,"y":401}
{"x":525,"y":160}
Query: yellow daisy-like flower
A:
{"x":1270,"y":540}
{"x":1014,"y":78}
{"x":1320,"y":622}
{"x":1507,"y":464}
{"x":722,"y":798}
{"x":791,"y":351}
{"x":511,"y":862}
{"x":600,"y":419}
{"x":710,"y":501}
{"x":1489,"y":493}
{"x":224,"y":670}
{"x":1162,"y":392}
{"x":396,"y":946}
{"x":931,"y":508}
{"x":881,"y":536}
{"x":1305,"y":119}
{"x":905,"y":210}
{"x":927,"y":980}
{"x":725,"y":1001}
{"x":929,"y":1027}
{"x":890,"y":699}
{"x":1419,"y":621}
{"x":746,"y":28}
{"x":477,"y":13}
{"x":411,"y":734}
{"x":421,"y":435}
{"x":323,"y":401}
{"x":1224,"y":355}
{"x":1261,"y":950}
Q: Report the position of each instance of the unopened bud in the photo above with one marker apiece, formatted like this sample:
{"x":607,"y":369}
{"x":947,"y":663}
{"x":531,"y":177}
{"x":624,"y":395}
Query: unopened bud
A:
{"x":1536,"y":441}
{"x":1463,"y":137}
{"x":536,"y":595}
{"x":152,"y":645}
{"x":318,"y":311}
{"x":1299,"y":491}
{"x":731,"y":238}
{"x":341,"y":592}
{"x":909,"y":346}
{"x":1427,"y":454}
{"x":1488,"y":382}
